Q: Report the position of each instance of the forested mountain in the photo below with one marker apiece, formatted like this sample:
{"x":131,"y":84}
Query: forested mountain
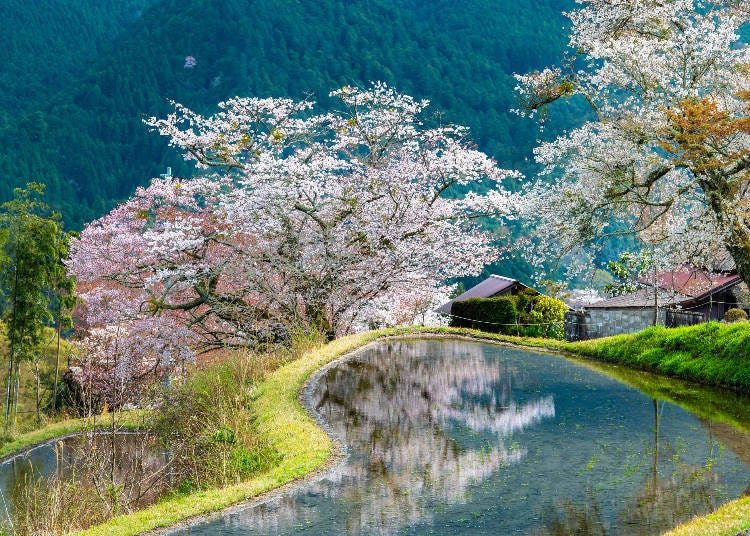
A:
{"x":79,"y":77}
{"x":46,"y":45}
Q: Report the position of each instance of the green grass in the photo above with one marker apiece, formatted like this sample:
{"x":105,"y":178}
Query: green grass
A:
{"x":283,"y":422}
{"x":711,"y":354}
{"x":728,"y":520}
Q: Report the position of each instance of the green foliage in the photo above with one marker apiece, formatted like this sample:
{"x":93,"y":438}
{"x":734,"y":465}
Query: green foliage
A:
{"x":549,"y":315}
{"x":35,"y":59}
{"x":528,"y":313}
{"x":627,"y":270}
{"x":712,"y":353}
{"x":94,"y":71}
{"x":33,"y":247}
{"x":494,"y":315}
{"x":207,"y":423}
{"x":735,"y":315}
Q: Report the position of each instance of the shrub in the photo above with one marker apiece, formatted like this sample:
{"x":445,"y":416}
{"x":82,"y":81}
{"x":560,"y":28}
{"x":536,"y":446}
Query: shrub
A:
{"x":52,"y":505}
{"x":207,"y":423}
{"x":549,"y":313}
{"x":735,"y":315}
{"x":529,"y":313}
{"x":496,"y":315}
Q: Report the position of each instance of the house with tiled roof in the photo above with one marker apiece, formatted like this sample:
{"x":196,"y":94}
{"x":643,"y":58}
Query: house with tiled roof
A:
{"x":679,"y":297}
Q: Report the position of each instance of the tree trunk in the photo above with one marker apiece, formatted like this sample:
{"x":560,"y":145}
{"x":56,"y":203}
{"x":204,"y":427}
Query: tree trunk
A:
{"x":721,"y":197}
{"x":656,"y":294}
{"x":38,"y":392}
{"x":14,"y":412}
{"x":12,"y":357}
{"x":9,"y":386}
{"x":316,"y":315}
{"x":57,"y":360}
{"x":739,"y":248}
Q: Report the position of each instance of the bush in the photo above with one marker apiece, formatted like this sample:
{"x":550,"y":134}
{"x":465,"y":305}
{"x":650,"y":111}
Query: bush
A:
{"x":735,"y":315}
{"x":207,"y":423}
{"x":549,"y":313}
{"x":495,"y":315}
{"x":52,"y":505}
{"x":529,"y":313}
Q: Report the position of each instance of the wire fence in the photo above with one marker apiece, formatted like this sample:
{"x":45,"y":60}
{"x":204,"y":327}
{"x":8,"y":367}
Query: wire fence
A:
{"x":520,"y":324}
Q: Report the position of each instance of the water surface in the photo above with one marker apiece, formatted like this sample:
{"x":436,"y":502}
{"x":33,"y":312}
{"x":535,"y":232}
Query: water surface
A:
{"x":140,"y":466}
{"x":451,"y":437}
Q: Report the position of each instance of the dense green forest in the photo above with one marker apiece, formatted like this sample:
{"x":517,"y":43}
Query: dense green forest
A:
{"x":80,"y":79}
{"x":46,"y":46}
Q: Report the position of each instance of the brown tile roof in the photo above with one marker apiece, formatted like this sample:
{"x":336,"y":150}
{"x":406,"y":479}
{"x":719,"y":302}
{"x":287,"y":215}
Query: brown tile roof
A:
{"x":693,"y":282}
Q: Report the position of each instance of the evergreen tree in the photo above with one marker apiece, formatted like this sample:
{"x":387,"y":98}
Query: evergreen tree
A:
{"x":32,"y":274}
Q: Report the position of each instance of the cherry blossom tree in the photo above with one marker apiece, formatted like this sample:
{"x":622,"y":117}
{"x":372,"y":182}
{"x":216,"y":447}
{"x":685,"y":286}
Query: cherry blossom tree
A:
{"x":666,"y":154}
{"x":165,"y":260}
{"x":301,"y":219}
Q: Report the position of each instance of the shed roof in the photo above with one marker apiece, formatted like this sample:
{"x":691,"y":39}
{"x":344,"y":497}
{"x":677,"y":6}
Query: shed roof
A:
{"x":491,"y":286}
{"x":643,"y":297}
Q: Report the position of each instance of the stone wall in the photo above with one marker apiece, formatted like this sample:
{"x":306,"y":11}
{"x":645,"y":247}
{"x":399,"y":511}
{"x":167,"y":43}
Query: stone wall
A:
{"x":595,"y":323}
{"x":676,"y":318}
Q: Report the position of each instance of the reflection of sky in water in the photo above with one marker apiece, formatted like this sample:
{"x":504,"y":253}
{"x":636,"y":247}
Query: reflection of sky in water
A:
{"x":449,"y":437}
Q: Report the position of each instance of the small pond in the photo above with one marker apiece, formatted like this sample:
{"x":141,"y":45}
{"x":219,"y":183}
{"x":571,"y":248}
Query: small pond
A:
{"x":140,"y":466}
{"x":452,"y":437}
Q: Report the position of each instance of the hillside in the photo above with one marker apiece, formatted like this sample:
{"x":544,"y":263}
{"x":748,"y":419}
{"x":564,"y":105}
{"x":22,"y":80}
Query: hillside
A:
{"x":46,"y":45}
{"x":83,"y":134}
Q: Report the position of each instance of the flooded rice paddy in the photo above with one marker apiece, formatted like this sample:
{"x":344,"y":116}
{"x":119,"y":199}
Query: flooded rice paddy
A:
{"x":454,"y":437}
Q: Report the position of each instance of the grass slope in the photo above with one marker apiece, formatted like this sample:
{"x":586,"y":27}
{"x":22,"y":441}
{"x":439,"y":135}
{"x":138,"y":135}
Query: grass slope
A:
{"x":713,"y":353}
{"x":729,"y":520}
{"x":130,"y":420}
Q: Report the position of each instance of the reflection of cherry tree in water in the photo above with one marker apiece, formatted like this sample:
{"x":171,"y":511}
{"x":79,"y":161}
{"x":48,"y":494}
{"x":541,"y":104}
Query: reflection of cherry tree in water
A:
{"x":397,"y":412}
{"x":394,"y":408}
{"x":661,"y":502}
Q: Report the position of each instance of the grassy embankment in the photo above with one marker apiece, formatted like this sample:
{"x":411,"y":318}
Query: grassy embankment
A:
{"x":129,"y":420}
{"x":711,"y":354}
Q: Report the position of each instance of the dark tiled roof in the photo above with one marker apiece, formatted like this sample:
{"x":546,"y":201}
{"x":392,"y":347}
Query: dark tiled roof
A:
{"x":640,"y":298}
{"x":491,"y":286}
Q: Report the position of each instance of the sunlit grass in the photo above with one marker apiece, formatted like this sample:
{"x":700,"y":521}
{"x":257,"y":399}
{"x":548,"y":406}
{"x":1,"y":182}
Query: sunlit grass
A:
{"x":129,"y":420}
{"x":713,"y":353}
{"x":728,"y":520}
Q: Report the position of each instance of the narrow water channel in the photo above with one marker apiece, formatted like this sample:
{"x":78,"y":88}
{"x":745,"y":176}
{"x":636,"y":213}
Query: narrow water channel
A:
{"x":451,"y":437}
{"x":140,"y":466}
